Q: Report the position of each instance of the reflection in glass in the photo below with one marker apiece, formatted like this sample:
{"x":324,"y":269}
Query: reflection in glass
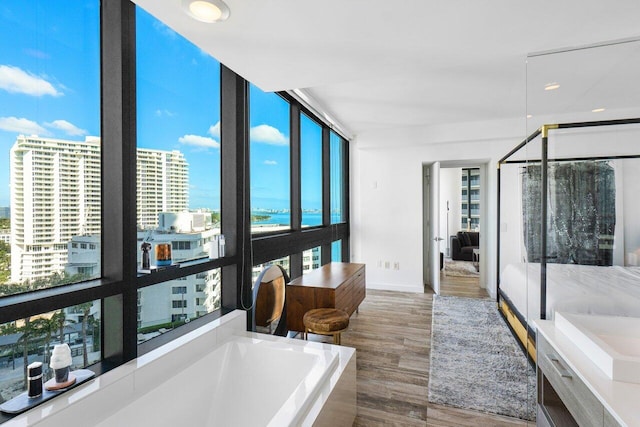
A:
{"x":32,"y":339}
{"x":49,"y":144}
{"x":171,"y":304}
{"x":311,"y":171}
{"x":270,"y":160}
{"x":568,"y":234}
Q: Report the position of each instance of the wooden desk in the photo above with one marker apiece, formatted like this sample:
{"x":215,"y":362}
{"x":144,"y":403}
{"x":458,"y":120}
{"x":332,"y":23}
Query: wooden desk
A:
{"x":336,"y":285}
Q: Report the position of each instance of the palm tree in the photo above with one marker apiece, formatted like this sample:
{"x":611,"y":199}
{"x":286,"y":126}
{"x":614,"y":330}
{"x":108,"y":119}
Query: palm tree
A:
{"x":26,"y":332}
{"x":95,"y":332}
{"x":47,"y":327}
{"x":86,"y":309}
{"x":31,"y":331}
{"x":60,"y":320}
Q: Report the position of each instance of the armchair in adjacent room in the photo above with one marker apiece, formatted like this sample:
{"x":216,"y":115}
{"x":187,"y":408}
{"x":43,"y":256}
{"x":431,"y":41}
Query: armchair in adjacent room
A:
{"x":463,"y":244}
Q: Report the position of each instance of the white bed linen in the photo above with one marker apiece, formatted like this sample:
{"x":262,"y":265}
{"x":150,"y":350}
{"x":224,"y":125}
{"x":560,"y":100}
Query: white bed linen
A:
{"x":573,"y":288}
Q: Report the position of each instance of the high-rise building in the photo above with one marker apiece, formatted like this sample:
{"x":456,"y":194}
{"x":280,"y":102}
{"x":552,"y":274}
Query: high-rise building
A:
{"x":189,"y":235}
{"x":162,"y":183}
{"x":5,"y":212}
{"x":55,"y":196}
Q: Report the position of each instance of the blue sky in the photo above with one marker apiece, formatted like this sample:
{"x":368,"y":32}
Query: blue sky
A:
{"x":49,"y":85}
{"x":49,"y":74}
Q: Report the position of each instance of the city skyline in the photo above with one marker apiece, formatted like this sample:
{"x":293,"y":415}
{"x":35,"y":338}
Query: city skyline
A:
{"x":52,"y":90}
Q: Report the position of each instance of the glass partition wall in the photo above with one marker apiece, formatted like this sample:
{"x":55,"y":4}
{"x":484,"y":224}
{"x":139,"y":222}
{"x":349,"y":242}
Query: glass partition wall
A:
{"x":568,"y":239}
{"x":160,"y":166}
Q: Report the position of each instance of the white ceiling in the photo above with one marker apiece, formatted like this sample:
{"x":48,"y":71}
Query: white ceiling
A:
{"x":375,"y":64}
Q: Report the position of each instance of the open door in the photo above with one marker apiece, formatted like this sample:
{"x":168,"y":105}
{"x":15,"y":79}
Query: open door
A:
{"x":431,"y":226}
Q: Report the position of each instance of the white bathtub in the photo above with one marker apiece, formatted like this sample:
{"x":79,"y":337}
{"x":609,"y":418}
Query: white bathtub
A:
{"x":245,"y":382}
{"x":217,"y":375}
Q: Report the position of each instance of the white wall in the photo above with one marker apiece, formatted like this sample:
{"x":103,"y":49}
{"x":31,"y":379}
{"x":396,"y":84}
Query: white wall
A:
{"x":386,"y":190}
{"x":386,"y":197}
{"x":511,"y":238}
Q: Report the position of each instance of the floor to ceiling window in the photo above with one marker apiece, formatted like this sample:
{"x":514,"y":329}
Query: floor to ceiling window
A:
{"x":310,"y":171}
{"x":50,"y":174}
{"x":470,"y":196}
{"x":270,"y":162}
{"x":177,"y":172}
{"x":337,"y":150}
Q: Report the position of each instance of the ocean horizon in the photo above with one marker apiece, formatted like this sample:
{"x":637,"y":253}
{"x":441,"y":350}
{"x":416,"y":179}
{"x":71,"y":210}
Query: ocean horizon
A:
{"x":309,"y":219}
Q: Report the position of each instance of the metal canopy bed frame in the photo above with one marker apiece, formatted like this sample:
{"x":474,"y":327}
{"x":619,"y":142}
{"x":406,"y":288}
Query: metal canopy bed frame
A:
{"x":516,"y":320}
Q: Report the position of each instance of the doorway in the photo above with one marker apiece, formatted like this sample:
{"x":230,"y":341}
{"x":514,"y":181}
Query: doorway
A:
{"x":454,"y":202}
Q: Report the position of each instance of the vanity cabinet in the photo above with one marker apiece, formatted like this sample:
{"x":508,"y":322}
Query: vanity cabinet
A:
{"x":609,"y":421}
{"x":564,"y":400}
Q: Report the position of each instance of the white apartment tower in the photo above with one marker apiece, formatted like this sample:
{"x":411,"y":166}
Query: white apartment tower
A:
{"x":162,"y":183}
{"x":55,"y":195}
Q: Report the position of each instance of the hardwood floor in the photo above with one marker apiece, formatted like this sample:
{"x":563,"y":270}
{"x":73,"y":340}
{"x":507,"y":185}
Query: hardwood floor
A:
{"x":462,"y":287}
{"x":392,"y":335}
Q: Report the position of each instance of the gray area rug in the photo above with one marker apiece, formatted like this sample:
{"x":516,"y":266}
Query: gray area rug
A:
{"x":476,"y":362}
{"x":459,"y":268}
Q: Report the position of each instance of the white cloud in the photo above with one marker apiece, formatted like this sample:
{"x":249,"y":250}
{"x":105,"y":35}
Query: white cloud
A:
{"x":68,"y":128}
{"x":214,"y":130}
{"x":37,"y":53}
{"x":268,"y":135}
{"x":199,"y":141}
{"x":22,"y":125}
{"x":270,"y":162}
{"x":165,"y":113}
{"x":16,"y":80}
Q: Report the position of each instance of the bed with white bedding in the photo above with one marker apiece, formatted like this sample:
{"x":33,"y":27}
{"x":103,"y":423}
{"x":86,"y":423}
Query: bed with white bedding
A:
{"x":572,"y":288}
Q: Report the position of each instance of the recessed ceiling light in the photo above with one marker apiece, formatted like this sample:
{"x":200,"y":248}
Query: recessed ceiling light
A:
{"x":208,"y":11}
{"x":529,"y":116}
{"x":597,"y":110}
{"x":551,"y":86}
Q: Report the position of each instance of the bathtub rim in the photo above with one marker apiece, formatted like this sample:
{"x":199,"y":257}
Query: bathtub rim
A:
{"x":119,"y":382}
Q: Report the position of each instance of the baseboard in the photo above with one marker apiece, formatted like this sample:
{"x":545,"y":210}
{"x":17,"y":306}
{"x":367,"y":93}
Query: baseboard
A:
{"x":417,"y":289}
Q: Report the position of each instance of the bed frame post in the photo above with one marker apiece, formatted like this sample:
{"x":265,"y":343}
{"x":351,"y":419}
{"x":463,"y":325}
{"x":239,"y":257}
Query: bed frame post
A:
{"x":544,"y":130}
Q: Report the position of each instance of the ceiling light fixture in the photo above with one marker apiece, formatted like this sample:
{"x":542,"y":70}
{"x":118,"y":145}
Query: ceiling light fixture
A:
{"x":597,"y":110}
{"x":529,"y":116}
{"x":551,"y":86}
{"x":208,"y":11}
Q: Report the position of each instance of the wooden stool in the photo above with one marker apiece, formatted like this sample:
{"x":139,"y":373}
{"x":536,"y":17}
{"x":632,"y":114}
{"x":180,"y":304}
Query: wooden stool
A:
{"x":325,"y":321}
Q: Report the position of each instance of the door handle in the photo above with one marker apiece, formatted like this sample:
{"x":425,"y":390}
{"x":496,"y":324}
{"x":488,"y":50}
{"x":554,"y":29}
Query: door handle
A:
{"x":438,"y":239}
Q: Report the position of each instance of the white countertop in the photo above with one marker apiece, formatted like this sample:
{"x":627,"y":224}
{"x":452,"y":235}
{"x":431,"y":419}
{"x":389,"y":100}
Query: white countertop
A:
{"x":620,"y":399}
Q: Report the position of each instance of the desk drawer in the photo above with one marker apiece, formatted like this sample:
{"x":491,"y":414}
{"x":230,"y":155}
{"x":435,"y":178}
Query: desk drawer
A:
{"x":575,"y":395}
{"x":344,"y":298}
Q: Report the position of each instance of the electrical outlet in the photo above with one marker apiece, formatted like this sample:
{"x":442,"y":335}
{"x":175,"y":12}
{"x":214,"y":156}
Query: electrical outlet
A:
{"x":396,"y":265}
{"x":387,"y":265}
